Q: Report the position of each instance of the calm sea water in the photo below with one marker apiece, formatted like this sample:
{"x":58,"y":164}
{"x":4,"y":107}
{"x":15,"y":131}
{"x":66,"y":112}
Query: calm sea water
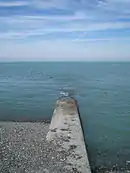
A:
{"x":28,"y":92}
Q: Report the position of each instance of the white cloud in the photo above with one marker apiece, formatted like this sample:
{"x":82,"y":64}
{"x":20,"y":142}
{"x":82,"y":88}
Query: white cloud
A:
{"x":43,"y":30}
{"x":83,"y":16}
{"x":25,"y":26}
{"x":78,"y":21}
{"x":97,"y":7}
{"x":79,"y":15}
{"x":12,"y":4}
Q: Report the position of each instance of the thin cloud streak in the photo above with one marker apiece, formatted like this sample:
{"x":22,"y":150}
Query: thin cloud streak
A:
{"x":13,"y":4}
{"x":26,"y":32}
{"x":31,"y":18}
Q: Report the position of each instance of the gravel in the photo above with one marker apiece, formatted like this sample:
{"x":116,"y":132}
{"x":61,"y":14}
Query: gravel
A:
{"x":24,"y":149}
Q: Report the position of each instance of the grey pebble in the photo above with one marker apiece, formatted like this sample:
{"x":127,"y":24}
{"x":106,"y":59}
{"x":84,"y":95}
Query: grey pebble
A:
{"x":24,"y":149}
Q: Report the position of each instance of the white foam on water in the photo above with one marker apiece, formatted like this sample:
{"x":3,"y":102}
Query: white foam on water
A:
{"x":65,"y":94}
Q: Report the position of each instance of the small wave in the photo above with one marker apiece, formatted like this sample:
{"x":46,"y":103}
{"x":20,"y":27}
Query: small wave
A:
{"x":65,"y":94}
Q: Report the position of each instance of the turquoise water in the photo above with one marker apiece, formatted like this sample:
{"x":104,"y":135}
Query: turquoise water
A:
{"x":28,"y":92}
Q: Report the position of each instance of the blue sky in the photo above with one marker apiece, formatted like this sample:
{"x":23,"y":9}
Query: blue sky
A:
{"x":88,"y":30}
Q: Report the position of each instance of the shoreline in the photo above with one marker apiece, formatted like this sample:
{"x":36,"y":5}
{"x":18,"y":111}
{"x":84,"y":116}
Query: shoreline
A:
{"x":48,"y":121}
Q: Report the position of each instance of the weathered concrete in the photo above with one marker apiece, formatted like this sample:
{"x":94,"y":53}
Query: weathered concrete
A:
{"x":66,"y":132}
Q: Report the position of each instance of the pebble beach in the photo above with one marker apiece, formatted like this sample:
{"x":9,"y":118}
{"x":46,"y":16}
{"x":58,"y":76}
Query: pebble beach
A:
{"x":24,"y":149}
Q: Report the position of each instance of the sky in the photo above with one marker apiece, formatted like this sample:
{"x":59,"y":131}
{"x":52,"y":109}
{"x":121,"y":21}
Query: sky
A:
{"x":64,"y":30}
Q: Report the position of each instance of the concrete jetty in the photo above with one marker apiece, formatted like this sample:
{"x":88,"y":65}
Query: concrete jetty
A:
{"x":65,"y":131}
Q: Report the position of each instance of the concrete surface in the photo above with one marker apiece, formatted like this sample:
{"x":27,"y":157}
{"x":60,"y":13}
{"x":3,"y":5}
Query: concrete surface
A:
{"x":65,"y":132}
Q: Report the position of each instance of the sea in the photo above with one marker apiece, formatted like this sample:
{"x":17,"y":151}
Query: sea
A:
{"x":29,"y":90}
